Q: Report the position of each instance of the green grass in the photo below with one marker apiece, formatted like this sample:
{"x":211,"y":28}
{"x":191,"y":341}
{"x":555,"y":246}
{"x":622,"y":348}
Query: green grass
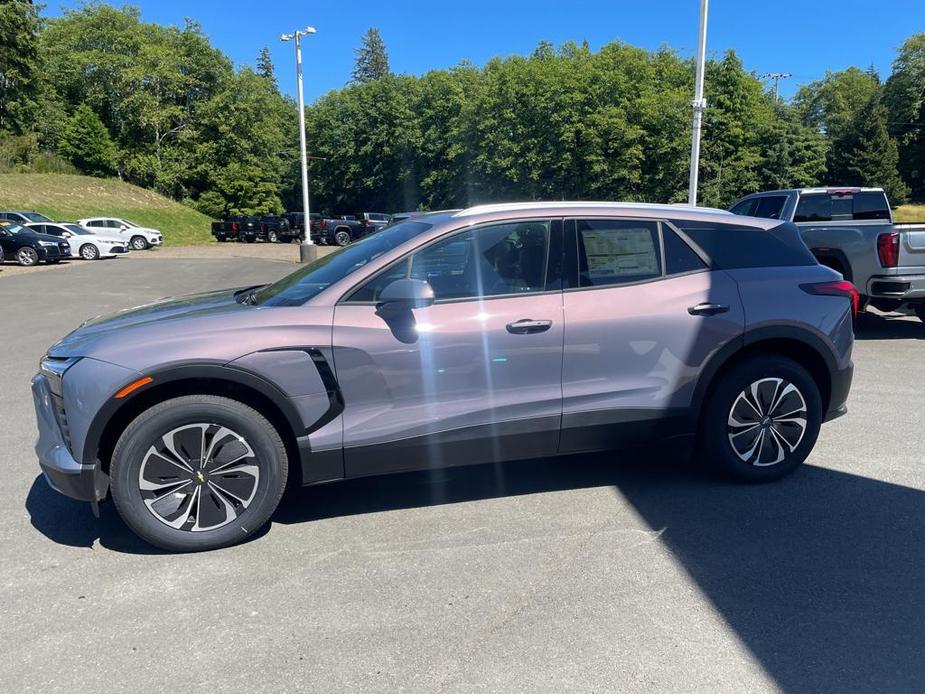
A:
{"x":910,"y":213}
{"x":67,"y":197}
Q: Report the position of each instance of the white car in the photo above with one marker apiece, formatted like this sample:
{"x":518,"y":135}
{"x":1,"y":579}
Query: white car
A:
{"x":139,"y":237}
{"x":84,"y":243}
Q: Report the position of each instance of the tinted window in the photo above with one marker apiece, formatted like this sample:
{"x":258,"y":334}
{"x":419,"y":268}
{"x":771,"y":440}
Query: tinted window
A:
{"x":745,"y":207}
{"x":679,"y":257}
{"x":488,"y":261}
{"x":826,"y":207}
{"x":871,"y":205}
{"x":770,"y":207}
{"x":315,"y":277}
{"x":733,"y":246}
{"x":96,"y":223}
{"x":814,"y":208}
{"x":616,"y":252}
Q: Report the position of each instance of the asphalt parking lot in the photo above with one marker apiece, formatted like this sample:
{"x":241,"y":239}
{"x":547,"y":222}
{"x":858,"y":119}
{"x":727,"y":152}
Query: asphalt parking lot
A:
{"x":594,"y":574}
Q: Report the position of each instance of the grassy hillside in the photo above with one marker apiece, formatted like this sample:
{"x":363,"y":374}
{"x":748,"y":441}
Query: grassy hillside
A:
{"x":910,"y":213}
{"x":67,"y":197}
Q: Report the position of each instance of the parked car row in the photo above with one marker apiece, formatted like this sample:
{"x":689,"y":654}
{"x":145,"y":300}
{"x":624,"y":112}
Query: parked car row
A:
{"x":29,"y":238}
{"x":335,"y":231}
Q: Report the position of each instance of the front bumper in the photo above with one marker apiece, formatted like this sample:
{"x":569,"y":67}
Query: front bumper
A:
{"x":898,"y":287}
{"x":61,"y":470}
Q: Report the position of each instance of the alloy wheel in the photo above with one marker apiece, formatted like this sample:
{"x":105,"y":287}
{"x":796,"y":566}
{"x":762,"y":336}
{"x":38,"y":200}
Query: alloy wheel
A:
{"x":89,"y":252}
{"x":27,"y":256}
{"x":767,"y":421}
{"x":342,"y":238}
{"x":139,"y":243}
{"x":199,"y":477}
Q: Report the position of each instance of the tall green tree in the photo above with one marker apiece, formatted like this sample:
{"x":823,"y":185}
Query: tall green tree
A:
{"x":904,"y":96}
{"x":86,"y":142}
{"x":265,"y":65}
{"x":19,"y":65}
{"x":372,"y":60}
{"x":867,"y":154}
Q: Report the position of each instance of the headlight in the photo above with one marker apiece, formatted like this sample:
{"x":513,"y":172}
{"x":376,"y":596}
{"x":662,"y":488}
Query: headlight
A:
{"x":53,"y":369}
{"x":48,"y":243}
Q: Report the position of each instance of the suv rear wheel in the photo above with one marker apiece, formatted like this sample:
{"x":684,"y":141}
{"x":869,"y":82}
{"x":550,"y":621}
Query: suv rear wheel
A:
{"x":761,"y":419}
{"x":198,"y":472}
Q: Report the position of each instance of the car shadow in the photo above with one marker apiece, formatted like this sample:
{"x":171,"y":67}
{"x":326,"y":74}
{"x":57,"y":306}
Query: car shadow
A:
{"x":820,"y":575}
{"x":72,"y":523}
{"x":888,"y":326}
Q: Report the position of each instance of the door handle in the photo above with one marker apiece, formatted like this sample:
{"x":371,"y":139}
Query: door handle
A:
{"x":707,"y":309}
{"x":526,"y":326}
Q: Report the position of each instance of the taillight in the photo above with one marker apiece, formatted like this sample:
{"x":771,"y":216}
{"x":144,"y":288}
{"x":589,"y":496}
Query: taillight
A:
{"x":837,"y":288}
{"x":234,"y":226}
{"x":323,"y":224}
{"x":888,"y":248}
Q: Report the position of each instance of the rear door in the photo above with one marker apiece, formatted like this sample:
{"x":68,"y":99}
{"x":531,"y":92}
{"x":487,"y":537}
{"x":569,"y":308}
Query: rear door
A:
{"x":476,"y":377}
{"x":644,"y":313}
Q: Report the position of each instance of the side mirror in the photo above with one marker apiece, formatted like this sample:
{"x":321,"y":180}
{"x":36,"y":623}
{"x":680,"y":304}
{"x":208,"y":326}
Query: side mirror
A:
{"x":405,"y":294}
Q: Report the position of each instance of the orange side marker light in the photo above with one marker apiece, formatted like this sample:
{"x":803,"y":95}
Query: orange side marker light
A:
{"x":133,"y":386}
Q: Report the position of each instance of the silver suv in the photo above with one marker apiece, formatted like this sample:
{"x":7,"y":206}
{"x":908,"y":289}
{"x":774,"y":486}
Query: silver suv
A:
{"x":494,"y":333}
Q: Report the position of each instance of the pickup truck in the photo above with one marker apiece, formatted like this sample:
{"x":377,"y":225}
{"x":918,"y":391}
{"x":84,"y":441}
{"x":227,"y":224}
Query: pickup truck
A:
{"x":276,"y":229}
{"x":337,"y":230}
{"x":851,"y":230}
{"x":237,"y":228}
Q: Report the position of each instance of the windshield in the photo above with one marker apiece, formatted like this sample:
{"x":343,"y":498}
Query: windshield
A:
{"x":74,"y":229}
{"x":314,"y":278}
{"x":15,"y":228}
{"x":35,"y":217}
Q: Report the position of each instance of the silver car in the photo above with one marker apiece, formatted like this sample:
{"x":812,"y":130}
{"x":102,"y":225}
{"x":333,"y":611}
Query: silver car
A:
{"x":454,"y":338}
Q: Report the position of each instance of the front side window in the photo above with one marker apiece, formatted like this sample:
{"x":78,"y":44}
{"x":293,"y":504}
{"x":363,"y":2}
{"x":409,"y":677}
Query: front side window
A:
{"x":617,"y":252}
{"x":311,"y":280}
{"x":494,"y":260}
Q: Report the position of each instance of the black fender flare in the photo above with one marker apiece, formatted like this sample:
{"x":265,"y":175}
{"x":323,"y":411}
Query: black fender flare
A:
{"x":180,"y":372}
{"x":749,"y":338}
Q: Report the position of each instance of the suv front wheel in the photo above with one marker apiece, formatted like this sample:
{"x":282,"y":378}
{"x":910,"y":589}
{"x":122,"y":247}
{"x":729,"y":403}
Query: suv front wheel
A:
{"x":761,"y":420}
{"x":198,"y":472}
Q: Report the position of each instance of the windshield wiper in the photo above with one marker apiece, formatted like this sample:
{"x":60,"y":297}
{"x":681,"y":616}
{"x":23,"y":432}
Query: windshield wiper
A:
{"x":248,"y":296}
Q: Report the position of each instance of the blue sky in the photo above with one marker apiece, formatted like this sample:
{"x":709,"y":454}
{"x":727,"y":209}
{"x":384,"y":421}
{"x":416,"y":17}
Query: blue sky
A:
{"x":801,"y":37}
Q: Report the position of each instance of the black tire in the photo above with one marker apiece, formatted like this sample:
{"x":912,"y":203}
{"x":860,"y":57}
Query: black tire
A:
{"x":342,"y":237}
{"x":273,"y":237}
{"x":139,"y":243}
{"x":27,"y":256}
{"x":179,"y":420}
{"x":725,"y":406}
{"x":89,"y":252}
{"x":53,"y":261}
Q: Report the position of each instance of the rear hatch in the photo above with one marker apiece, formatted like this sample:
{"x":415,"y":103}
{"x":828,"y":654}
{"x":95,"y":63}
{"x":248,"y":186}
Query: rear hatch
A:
{"x":911,"y":248}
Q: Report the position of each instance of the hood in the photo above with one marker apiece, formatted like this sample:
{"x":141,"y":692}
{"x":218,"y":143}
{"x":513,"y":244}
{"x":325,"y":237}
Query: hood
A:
{"x":44,"y":237}
{"x":82,"y":341}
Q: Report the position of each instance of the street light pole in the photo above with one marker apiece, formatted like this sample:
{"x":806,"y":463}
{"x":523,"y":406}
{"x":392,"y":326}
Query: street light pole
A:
{"x":699,"y":105}
{"x":777,"y":77}
{"x":307,"y":250}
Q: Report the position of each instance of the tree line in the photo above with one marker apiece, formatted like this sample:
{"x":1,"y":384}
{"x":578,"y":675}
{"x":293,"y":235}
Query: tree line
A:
{"x":100,"y":91}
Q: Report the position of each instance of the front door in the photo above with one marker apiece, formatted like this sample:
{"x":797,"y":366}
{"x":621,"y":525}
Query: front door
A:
{"x":476,"y":377}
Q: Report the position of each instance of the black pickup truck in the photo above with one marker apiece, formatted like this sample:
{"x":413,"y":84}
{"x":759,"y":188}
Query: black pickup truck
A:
{"x":277,"y":229}
{"x":338,"y":231}
{"x":238,"y":228}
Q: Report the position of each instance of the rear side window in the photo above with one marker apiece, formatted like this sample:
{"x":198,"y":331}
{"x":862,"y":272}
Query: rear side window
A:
{"x":617,"y":252}
{"x":679,"y":257}
{"x":734,"y":246}
{"x":847,"y":206}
